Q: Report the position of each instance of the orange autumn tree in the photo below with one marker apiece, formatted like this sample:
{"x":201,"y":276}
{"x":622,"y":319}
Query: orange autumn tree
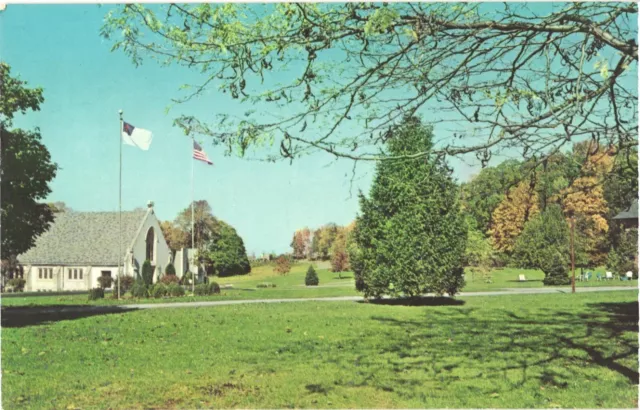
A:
{"x":510,"y":216}
{"x":584,"y":200}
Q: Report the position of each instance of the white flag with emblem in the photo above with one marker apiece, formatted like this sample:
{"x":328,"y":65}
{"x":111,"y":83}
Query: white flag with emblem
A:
{"x":135,"y":136}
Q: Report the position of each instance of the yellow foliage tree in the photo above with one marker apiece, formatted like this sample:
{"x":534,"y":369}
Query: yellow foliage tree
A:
{"x":584,"y":201}
{"x":509,"y":217}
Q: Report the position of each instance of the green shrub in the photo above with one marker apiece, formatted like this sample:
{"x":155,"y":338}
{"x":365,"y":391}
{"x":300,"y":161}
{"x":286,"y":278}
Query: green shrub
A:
{"x":126,"y":282}
{"x":169,"y":279}
{"x":312,"y":277}
{"x":139,"y":290}
{"x":201,"y":290}
{"x":96,"y":293}
{"x":17,"y":284}
{"x":174,"y":289}
{"x":556,"y":272}
{"x":213,"y":288}
{"x":105,"y":281}
{"x":206,"y":289}
{"x":147,"y":273}
{"x":170,"y":270}
{"x":158,"y":290}
{"x":266,"y":285}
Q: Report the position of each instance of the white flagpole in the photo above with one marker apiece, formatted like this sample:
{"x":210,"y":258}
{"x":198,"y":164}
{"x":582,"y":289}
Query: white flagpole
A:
{"x":120,"y":205}
{"x":193,"y":275}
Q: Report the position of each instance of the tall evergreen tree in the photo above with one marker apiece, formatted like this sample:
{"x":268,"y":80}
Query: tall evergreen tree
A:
{"x":411,"y":235}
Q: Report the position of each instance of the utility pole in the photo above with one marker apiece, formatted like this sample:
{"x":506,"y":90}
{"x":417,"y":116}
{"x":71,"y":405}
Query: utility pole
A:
{"x":573,"y":258}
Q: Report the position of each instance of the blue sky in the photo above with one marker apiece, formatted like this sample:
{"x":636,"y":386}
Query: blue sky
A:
{"x":58,"y":47}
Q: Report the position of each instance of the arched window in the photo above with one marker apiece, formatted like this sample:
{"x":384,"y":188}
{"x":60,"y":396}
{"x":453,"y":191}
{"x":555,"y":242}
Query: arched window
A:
{"x":151,"y":240}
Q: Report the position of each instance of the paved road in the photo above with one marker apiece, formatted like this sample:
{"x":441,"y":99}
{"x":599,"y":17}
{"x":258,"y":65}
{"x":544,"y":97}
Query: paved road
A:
{"x":89,"y":308}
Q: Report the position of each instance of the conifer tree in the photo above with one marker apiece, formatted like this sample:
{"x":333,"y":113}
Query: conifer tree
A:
{"x":411,"y":235}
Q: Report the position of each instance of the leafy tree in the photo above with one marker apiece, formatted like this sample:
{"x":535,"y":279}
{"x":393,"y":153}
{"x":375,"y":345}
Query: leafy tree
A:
{"x":25,"y":169}
{"x":545,"y":238}
{"x":176,"y":238}
{"x":283,"y":265}
{"x":552,"y":176}
{"x":478,"y":252}
{"x":411,"y":234}
{"x":511,"y":215}
{"x":621,"y":184}
{"x":219,"y":248}
{"x":301,"y":243}
{"x":624,"y":254}
{"x":487,"y":189}
{"x":323,"y":238}
{"x":583,"y":199}
{"x":311,"y":278}
{"x":620,"y":189}
{"x":226,"y":253}
{"x":339,"y":253}
{"x":526,"y":78}
{"x":147,"y":273}
{"x":203,"y":225}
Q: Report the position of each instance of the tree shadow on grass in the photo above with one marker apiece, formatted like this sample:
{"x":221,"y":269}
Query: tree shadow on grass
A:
{"x":20,"y":316}
{"x":416,"y":301}
{"x":507,"y":349}
{"x":343,"y":277}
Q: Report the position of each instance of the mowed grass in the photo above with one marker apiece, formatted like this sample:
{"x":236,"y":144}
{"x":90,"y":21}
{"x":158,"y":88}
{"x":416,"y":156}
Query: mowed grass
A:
{"x":557,"y":350}
{"x":508,"y":278}
{"x":292,"y":285}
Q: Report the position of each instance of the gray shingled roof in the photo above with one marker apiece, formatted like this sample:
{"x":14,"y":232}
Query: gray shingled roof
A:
{"x":631,"y":213}
{"x":84,"y":238}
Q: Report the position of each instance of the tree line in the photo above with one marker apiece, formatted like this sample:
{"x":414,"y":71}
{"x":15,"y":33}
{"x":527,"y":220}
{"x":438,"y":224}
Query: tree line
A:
{"x":328,"y":242}
{"x":220,"y":250}
{"x":588,"y":185}
{"x":418,"y":227}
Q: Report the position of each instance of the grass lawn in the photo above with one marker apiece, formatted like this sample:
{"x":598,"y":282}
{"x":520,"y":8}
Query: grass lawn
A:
{"x":292,"y":286}
{"x":557,"y":350}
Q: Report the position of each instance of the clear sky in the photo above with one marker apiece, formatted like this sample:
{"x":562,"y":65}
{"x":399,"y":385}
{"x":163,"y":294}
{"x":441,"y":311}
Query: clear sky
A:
{"x":58,"y":47}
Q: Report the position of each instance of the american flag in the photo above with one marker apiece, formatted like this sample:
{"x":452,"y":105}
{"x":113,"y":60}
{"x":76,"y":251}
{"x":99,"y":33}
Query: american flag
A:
{"x":199,"y":154}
